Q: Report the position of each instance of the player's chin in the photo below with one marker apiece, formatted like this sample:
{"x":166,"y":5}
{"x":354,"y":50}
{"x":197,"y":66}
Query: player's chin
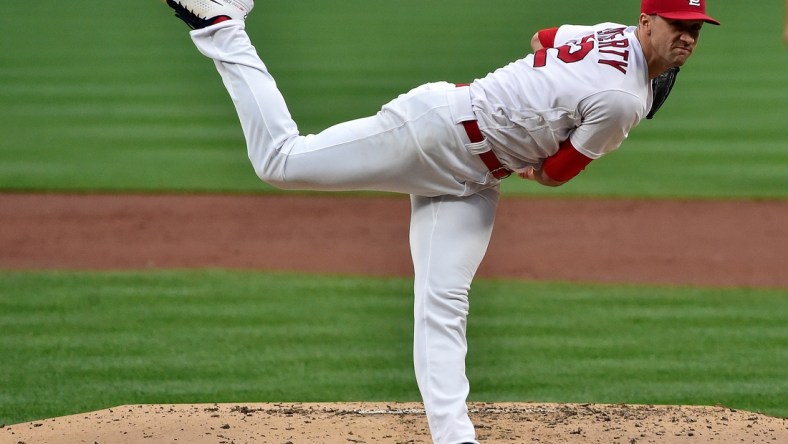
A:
{"x":681,"y":56}
{"x":679,"y":60}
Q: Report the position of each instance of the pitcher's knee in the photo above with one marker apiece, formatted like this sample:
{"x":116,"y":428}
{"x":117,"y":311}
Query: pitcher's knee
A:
{"x":276,"y":178}
{"x":268,"y":161}
{"x":268,"y":175}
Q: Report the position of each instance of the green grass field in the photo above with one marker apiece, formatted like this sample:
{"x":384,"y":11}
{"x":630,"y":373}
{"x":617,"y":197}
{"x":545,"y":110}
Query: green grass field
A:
{"x":76,"y":342}
{"x":112,"y":96}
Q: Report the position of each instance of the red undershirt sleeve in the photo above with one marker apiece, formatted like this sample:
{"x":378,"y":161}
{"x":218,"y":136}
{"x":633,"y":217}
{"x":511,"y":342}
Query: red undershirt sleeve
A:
{"x":565,"y":164}
{"x":547,"y":37}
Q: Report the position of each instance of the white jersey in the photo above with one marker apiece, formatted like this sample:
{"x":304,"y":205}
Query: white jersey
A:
{"x":592,"y":90}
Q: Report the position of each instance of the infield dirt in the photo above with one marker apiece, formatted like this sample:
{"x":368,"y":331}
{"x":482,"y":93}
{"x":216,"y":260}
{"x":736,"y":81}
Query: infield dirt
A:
{"x":717,"y":243}
{"x":708,"y":243}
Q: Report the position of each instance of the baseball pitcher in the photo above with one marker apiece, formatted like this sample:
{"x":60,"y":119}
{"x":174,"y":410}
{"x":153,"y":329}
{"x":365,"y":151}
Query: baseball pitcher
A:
{"x":544,"y":117}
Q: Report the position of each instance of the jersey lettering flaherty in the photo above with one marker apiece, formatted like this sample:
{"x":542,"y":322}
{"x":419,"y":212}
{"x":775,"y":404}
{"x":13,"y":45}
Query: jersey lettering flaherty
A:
{"x":591,"y":88}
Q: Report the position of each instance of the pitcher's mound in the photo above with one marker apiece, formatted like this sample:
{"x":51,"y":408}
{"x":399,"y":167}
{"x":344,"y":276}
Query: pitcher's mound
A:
{"x":400,"y":423}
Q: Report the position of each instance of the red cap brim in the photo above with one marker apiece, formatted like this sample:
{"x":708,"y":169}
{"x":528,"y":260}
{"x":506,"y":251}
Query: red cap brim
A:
{"x":687,"y":15}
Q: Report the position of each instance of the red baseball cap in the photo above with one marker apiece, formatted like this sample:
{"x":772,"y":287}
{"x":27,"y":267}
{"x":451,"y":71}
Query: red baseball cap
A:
{"x":677,"y":9}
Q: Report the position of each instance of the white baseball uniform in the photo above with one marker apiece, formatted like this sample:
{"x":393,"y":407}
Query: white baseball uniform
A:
{"x":417,"y":145}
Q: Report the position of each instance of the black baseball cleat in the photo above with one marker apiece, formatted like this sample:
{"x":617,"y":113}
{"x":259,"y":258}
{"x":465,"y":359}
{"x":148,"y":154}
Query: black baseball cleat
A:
{"x":201,"y":13}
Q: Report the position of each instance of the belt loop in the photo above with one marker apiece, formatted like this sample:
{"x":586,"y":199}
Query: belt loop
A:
{"x":472,"y":129}
{"x":488,"y":157}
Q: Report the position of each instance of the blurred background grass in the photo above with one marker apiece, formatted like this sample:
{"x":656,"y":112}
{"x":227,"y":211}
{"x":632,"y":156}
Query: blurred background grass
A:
{"x":112,"y":96}
{"x":74,"y":342}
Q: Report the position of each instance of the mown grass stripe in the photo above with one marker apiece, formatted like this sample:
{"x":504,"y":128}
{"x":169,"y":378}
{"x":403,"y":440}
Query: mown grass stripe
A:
{"x":133,"y":61}
{"x":84,"y":341}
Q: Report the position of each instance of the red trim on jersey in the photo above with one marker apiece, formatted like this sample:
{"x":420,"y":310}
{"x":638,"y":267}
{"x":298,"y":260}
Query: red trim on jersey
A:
{"x":547,"y":37}
{"x":567,"y":163}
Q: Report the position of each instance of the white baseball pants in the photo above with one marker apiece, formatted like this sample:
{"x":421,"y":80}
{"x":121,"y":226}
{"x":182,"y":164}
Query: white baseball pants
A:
{"x":414,"y":145}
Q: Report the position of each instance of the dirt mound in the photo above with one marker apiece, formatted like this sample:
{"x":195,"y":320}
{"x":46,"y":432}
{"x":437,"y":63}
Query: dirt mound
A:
{"x":400,"y":423}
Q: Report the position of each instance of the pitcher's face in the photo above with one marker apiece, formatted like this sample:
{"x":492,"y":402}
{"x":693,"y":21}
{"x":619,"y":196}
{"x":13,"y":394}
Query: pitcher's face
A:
{"x":673,"y":41}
